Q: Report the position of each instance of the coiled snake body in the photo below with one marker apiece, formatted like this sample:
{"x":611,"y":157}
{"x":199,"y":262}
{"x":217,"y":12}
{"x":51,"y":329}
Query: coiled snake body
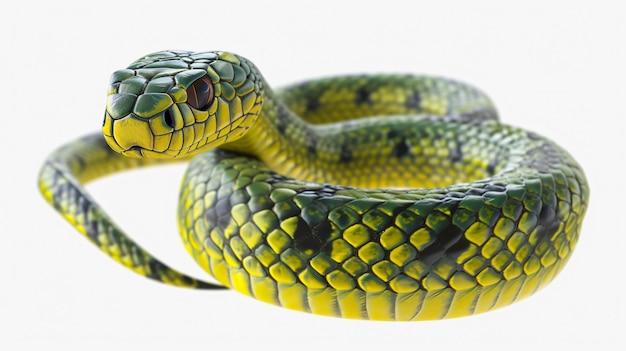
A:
{"x":456,"y":213}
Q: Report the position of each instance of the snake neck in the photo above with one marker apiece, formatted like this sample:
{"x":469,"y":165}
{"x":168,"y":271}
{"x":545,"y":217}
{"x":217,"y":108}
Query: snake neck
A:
{"x":279,"y":138}
{"x":320,"y":132}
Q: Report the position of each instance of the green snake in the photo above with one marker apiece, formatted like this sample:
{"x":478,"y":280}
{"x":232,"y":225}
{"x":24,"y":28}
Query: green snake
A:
{"x":386,"y":197}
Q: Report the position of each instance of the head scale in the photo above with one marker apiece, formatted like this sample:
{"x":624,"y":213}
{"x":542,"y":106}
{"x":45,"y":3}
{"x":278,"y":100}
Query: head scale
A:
{"x":177,"y":103}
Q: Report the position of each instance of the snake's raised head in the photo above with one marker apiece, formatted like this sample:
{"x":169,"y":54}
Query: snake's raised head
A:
{"x":176,"y":103}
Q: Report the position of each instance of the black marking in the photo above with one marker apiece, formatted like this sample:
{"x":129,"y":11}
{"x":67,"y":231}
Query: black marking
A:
{"x":450,"y":236}
{"x":281,"y":127}
{"x":311,"y":142}
{"x":548,"y":224}
{"x":93,"y":233}
{"x":458,"y":248}
{"x":156,"y":268}
{"x":495,"y":188}
{"x":413,"y":101}
{"x":211,"y":216}
{"x":491,"y":167}
{"x":401,"y":149}
{"x":432,"y":254}
{"x":345,"y":155}
{"x":392,"y":134}
{"x":312,"y":104}
{"x":311,"y":238}
{"x":456,"y":153}
{"x":222,"y":210}
{"x":281,"y":120}
{"x":362,"y":96}
{"x":547,"y":215}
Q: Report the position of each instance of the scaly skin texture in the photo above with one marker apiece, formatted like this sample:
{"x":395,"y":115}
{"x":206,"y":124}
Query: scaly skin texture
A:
{"x":380,"y":197}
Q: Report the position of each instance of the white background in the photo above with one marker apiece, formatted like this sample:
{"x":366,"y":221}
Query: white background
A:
{"x":552,"y":67}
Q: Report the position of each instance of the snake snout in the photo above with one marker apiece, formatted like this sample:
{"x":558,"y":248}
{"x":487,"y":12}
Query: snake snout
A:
{"x":128,"y":135}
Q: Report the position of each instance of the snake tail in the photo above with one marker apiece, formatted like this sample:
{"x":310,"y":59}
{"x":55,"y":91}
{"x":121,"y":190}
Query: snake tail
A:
{"x":61,"y":182}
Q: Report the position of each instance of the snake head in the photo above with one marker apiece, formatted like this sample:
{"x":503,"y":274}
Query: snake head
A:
{"x":177,"y":103}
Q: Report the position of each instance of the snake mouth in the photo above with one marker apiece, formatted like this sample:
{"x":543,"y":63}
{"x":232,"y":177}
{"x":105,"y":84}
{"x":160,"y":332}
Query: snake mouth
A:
{"x":134,"y":151}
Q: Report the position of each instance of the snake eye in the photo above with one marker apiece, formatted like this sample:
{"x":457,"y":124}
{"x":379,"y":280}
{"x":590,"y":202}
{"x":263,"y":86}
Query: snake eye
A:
{"x":200,"y":93}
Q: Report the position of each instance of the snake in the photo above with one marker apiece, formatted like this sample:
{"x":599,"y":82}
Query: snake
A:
{"x":364,"y":196}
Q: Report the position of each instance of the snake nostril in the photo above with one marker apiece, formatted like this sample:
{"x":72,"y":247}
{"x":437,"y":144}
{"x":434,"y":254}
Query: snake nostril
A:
{"x":168,"y":119}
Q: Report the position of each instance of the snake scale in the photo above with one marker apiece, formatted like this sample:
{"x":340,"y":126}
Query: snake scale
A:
{"x":386,"y":197}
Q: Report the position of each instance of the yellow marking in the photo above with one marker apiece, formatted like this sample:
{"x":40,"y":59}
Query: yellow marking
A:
{"x":444,"y":268}
{"x":488,"y":277}
{"x":477,"y":233}
{"x":265,"y":255}
{"x":492,"y":247}
{"x":162,"y":142}
{"x":264,"y":289}
{"x":407,"y":305}
{"x":312,"y":279}
{"x":509,"y":292}
{"x":421,"y":238}
{"x":340,"y":250}
{"x":220,"y":271}
{"x":282,"y":274}
{"x":293,"y":296}
{"x":241,"y":213}
{"x":385,"y":270}
{"x":322,"y":264}
{"x":176,"y":142}
{"x":223,"y":114}
{"x":289,"y":226}
{"x":212,"y":249}
{"x":381,"y":306}
{"x":230,"y":258}
{"x":130,"y":131}
{"x":340,"y":280}
{"x":549,"y":258}
{"x":241,"y":281}
{"x":323,"y":301}
{"x":278,"y":240}
{"x":266,"y":220}
{"x":437,"y":304}
{"x":530,"y":286}
{"x":370,"y":283}
{"x":474,"y":265}
{"x":513,"y":270}
{"x":292,"y":260}
{"x":179,"y":95}
{"x":391,"y":238}
{"x":416,"y":270}
{"x":403,"y":284}
{"x":107,"y":127}
{"x":500,"y":260}
{"x":253,"y":266}
{"x":356,"y":235}
{"x":503,"y":228}
{"x":351,"y":303}
{"x":402,"y":254}
{"x":462,"y":281}
{"x":464,"y":303}
{"x":250,"y":234}
{"x":488,"y":297}
{"x":188,"y":136}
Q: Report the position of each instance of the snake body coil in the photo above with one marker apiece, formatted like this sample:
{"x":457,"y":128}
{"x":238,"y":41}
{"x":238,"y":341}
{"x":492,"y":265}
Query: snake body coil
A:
{"x":456,"y":213}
